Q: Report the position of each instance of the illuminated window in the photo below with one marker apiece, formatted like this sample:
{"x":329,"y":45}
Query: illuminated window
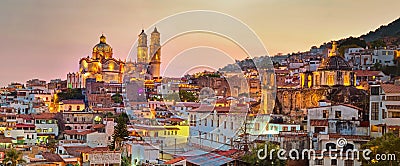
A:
{"x":331,"y":80}
{"x":257,"y":126}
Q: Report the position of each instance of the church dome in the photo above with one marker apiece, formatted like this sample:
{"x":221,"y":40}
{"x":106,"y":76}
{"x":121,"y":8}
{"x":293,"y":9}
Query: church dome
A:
{"x":334,"y":63}
{"x":102,"y":46}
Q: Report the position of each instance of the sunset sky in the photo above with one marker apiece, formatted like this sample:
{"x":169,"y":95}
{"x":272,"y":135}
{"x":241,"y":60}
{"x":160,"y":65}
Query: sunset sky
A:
{"x":45,"y":39}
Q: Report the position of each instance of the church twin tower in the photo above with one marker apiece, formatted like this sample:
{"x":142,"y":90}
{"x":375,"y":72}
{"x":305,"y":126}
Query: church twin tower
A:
{"x":151,"y":57}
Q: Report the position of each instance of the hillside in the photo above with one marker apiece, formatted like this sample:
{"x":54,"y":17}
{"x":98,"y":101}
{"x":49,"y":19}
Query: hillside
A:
{"x":392,"y":29}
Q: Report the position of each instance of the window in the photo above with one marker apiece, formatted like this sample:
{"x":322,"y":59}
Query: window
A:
{"x":374,"y":110}
{"x":348,"y":163}
{"x":224,"y":124}
{"x":257,"y":126}
{"x":217,"y":120}
{"x":285,"y":128}
{"x":383,"y":113}
{"x":334,"y":162}
{"x":205,"y":122}
{"x":231,"y":125}
{"x":325,"y":114}
{"x":374,"y":90}
{"x":338,"y":114}
{"x":212,"y":122}
{"x":78,"y":108}
{"x":319,"y":162}
{"x":319,"y":129}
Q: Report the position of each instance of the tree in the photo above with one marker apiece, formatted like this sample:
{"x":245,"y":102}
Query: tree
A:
{"x":52,"y":144}
{"x":70,"y":94}
{"x":120,"y":131}
{"x":387,"y":144}
{"x":377,"y":44}
{"x":172,"y":97}
{"x":187,"y":96}
{"x":117,"y":98}
{"x":60,"y":123}
{"x":377,"y":66}
{"x":126,"y":161}
{"x":252,"y":157}
{"x":13,"y":157}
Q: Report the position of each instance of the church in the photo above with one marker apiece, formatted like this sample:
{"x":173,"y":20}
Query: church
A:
{"x":101,"y":66}
{"x":148,"y":61}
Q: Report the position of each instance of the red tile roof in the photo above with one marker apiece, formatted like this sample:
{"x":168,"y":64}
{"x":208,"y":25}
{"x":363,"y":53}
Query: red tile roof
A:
{"x":73,"y":102}
{"x":25,"y":116}
{"x":176,"y":119}
{"x":98,"y":126}
{"x":175,"y":160}
{"x":78,"y":132}
{"x":46,"y":116}
{"x":24,"y":125}
{"x":368,"y":73}
{"x":76,"y":150}
{"x":390,"y":88}
{"x":4,"y":139}
{"x":51,"y":157}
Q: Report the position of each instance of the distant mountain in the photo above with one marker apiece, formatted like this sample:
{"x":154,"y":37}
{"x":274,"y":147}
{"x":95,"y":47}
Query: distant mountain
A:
{"x":392,"y":29}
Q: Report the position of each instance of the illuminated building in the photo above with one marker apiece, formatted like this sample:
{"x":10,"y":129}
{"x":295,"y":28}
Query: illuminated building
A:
{"x":333,"y":71}
{"x":101,"y":67}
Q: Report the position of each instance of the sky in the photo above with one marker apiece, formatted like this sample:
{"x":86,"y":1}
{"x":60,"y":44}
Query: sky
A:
{"x":45,"y":39}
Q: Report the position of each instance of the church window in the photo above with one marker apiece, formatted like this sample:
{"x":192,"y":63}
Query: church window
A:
{"x":330,"y":81}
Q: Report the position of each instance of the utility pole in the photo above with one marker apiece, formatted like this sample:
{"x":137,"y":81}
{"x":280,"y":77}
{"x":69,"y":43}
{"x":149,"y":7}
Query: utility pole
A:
{"x":175,"y":147}
{"x":162,"y":151}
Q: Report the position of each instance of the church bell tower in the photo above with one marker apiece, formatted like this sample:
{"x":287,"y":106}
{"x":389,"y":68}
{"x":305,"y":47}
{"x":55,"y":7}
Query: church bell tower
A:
{"x":155,"y":54}
{"x":142,"y":55}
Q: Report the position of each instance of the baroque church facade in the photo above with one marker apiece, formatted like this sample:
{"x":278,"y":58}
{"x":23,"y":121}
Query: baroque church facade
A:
{"x":334,"y":80}
{"x":101,"y":66}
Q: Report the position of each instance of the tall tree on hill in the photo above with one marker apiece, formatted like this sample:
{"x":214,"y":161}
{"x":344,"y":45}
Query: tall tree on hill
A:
{"x":120,"y":131}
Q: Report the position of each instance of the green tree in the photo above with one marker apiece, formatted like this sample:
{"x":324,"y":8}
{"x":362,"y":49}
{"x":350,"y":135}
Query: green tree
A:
{"x":377,"y":66}
{"x":377,"y":44}
{"x":253,"y":159}
{"x":70,"y":94}
{"x":120,"y":131}
{"x":117,"y":98}
{"x":126,"y":161}
{"x":13,"y":157}
{"x":52,"y":144}
{"x":387,"y":144}
{"x":187,"y":96}
{"x":172,"y":97}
